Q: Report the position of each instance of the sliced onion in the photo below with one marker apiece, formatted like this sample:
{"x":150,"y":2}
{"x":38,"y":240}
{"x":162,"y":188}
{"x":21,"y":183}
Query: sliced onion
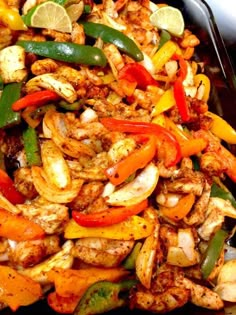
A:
{"x":227,"y":291}
{"x":54,"y":122}
{"x":52,"y":193}
{"x":54,"y":165}
{"x":227,"y":272}
{"x":146,"y":258}
{"x":136,"y":191}
{"x":230,"y":252}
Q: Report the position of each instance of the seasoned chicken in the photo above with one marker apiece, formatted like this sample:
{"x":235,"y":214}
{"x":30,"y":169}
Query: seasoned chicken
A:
{"x":62,"y":259}
{"x":29,"y":253}
{"x":102,"y":252}
{"x":12,"y":64}
{"x":51,"y":217}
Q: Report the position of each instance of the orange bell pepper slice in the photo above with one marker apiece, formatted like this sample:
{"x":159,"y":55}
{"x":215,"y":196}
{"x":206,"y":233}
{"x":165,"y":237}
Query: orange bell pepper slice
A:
{"x":8,"y":189}
{"x":109,"y":216}
{"x":179,"y":211}
{"x":18,"y":228}
{"x":192,"y":147}
{"x":17,"y":290}
{"x":65,"y":279}
{"x":62,"y":305}
{"x":120,"y":171}
{"x":166,"y":141}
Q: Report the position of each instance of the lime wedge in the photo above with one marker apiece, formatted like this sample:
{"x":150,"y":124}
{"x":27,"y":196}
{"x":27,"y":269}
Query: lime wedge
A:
{"x":170,"y":19}
{"x":49,"y":15}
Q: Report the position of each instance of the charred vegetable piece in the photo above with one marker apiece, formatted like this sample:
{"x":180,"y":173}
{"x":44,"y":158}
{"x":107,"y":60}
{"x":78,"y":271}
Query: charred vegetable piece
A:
{"x":103,"y":296}
{"x":68,"y":52}
{"x":10,"y":94}
{"x":212,"y":253}
{"x":31,"y":145}
{"x":111,"y":35}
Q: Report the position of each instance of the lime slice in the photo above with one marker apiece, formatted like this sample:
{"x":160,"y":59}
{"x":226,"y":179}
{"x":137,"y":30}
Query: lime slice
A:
{"x":170,"y":19}
{"x":49,"y":15}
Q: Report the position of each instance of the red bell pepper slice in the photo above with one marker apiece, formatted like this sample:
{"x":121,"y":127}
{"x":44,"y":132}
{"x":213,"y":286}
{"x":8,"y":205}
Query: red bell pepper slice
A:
{"x":8,"y":189}
{"x":120,"y":171}
{"x":182,"y":65}
{"x":135,"y":72}
{"x":38,"y":98}
{"x":165,"y":139}
{"x":180,"y":98}
{"x":179,"y":93}
{"x":108,"y":217}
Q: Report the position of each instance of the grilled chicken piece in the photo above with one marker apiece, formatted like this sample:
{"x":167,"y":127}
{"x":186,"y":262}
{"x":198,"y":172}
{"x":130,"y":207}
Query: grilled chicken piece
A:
{"x":102,"y":252}
{"x":29,"y":253}
{"x":12,"y":64}
{"x":51,"y":217}
{"x":24,"y":182}
{"x":62,"y":259}
{"x":200,"y":295}
{"x":161,"y":303}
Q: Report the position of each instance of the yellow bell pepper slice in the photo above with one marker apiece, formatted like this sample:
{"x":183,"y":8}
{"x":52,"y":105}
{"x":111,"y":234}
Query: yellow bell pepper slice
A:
{"x":165,"y":102}
{"x":203,"y":79}
{"x":179,"y":211}
{"x":159,"y":120}
{"x":164,"y":54}
{"x":11,"y":17}
{"x":222,"y":129}
{"x":133,"y":228}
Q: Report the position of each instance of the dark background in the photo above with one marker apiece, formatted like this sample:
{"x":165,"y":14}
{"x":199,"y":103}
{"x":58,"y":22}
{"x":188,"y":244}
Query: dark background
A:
{"x":225,"y":15}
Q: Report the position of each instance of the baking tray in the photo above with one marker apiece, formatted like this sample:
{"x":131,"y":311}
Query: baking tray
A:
{"x":212,"y":51}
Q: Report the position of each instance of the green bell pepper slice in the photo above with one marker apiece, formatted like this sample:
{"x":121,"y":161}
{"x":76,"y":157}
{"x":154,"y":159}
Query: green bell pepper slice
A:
{"x":213,"y":252}
{"x":129,"y":262}
{"x":217,"y":191}
{"x":31,"y":145}
{"x":10,"y":94}
{"x":68,"y":52}
{"x":103,"y":296}
{"x":113,"y":36}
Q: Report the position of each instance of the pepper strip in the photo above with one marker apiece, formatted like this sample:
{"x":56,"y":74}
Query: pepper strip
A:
{"x":120,"y":171}
{"x":179,"y":93}
{"x":164,"y":137}
{"x":108,"y":217}
{"x":68,"y":52}
{"x":38,"y":98}
{"x":135,"y":72}
{"x":11,"y":17}
{"x":221,"y":128}
{"x":10,"y":94}
{"x":212,"y":253}
{"x":18,"y":228}
{"x":31,"y":145}
{"x":103,"y":296}
{"x":8,"y":189}
{"x":113,"y":36}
